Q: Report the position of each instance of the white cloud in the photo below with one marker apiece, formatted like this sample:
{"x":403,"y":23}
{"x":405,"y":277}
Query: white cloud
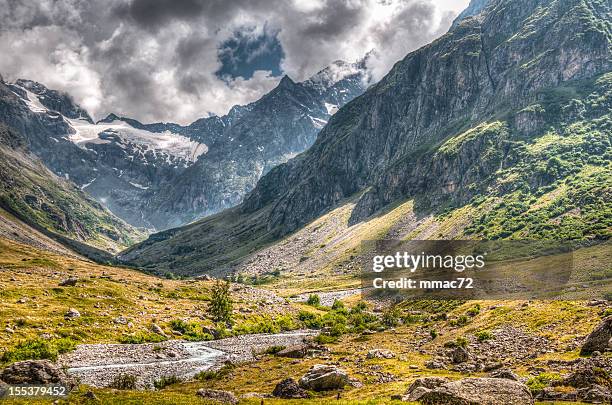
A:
{"x":155,"y":60}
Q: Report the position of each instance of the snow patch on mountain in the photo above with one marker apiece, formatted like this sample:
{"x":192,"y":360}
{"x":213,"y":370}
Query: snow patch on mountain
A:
{"x":165,"y":142}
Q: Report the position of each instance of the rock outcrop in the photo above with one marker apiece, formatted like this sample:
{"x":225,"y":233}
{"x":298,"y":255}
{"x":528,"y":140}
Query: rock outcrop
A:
{"x":600,"y":339}
{"x":323,"y":377}
{"x":479,"y":391}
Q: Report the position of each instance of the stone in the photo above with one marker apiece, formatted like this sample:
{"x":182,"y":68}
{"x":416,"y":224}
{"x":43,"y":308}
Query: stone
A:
{"x":380,"y":354}
{"x":72,"y":313}
{"x":294,"y":352}
{"x":36,"y":372}
{"x":479,"y":391}
{"x":218,"y":396}
{"x":595,"y":394}
{"x":460,"y":355}
{"x":323,"y":377}
{"x":289,"y":389}
{"x":156,"y":329}
{"x":599,"y":338}
{"x":505,"y":373}
{"x":121,"y":320}
{"x":69,"y":282}
{"x":421,"y":386}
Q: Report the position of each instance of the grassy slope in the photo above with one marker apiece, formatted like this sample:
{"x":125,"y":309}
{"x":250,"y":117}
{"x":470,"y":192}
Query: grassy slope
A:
{"x":103,"y":293}
{"x":30,"y":192}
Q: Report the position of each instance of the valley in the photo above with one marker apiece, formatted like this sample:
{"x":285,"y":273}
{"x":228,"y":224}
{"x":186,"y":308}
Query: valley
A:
{"x":226,"y":261}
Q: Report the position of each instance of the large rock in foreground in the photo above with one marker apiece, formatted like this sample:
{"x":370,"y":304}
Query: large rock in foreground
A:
{"x":36,"y":372}
{"x":218,"y":396}
{"x":289,"y":389}
{"x":478,"y":391}
{"x":322,"y":377}
{"x":599,"y":339}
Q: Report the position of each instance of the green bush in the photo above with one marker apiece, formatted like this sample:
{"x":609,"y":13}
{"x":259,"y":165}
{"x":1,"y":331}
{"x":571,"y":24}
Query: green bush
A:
{"x":142,"y":337}
{"x":189,"y":330}
{"x":310,"y":320}
{"x":391,"y":317}
{"x":314,"y":300}
{"x":166,"y":381}
{"x":483,"y":335}
{"x":36,"y":349}
{"x":542,"y":381}
{"x":337,"y":305}
{"x":124,"y":382}
{"x":221,"y":305}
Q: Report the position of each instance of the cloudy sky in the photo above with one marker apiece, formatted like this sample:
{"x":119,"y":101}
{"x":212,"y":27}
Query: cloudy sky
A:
{"x":179,"y":60}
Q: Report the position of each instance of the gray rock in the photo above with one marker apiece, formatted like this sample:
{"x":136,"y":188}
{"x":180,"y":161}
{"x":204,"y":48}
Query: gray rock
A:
{"x":156,"y":329}
{"x":421,"y":386}
{"x":294,"y":352}
{"x":599,"y":339}
{"x":222,"y":397}
{"x":36,"y":372}
{"x":479,"y":391}
{"x":460,"y":355}
{"x":323,"y":377}
{"x":72,"y":314}
{"x":505,"y":373}
{"x":289,"y":389}
{"x":380,"y":354}
{"x":69,"y":282}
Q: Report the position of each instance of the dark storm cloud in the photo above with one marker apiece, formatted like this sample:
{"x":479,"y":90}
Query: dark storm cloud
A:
{"x":158,"y":59}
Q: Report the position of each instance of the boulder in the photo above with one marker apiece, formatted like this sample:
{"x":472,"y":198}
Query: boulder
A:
{"x":421,"y":386}
{"x":294,"y":352}
{"x":289,"y":389}
{"x":479,"y":391}
{"x":72,"y":314}
{"x":322,"y":377}
{"x":599,"y":339}
{"x":69,"y":282}
{"x":380,"y":354}
{"x":596,"y":394}
{"x":460,"y":355}
{"x":505,"y":373}
{"x":222,"y":397}
{"x":36,"y":372}
{"x":155,"y":328}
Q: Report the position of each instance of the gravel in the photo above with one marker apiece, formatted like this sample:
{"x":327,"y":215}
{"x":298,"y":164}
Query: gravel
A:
{"x":99,"y":364}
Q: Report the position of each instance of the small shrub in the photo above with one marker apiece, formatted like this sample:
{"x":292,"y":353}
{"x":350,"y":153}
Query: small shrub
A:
{"x":359,"y":307}
{"x":483,"y":335}
{"x":324,"y":339}
{"x":310,"y":320}
{"x":433,"y":333}
{"x":273,"y":349}
{"x":314,"y":300}
{"x":166,"y":381}
{"x":542,"y":381}
{"x":459,"y":342}
{"x":124,"y":382}
{"x":391,"y":317}
{"x":221,"y":305}
{"x":37,"y":349}
{"x":209,"y":375}
{"x":141,"y":337}
{"x":337,"y":305}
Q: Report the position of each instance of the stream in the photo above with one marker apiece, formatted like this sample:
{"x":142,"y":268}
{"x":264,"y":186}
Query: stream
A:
{"x":99,"y":364}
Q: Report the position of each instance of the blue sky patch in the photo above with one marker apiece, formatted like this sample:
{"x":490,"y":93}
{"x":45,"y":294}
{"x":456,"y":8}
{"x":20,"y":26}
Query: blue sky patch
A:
{"x":248,"y":50}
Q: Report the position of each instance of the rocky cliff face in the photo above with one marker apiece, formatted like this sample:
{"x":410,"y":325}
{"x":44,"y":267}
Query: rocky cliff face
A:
{"x":494,"y":62}
{"x":445,"y":125}
{"x":163,"y":174}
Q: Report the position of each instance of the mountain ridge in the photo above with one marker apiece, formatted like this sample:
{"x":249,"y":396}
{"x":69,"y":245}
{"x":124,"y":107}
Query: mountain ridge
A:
{"x":123,"y":163}
{"x":385,"y":144}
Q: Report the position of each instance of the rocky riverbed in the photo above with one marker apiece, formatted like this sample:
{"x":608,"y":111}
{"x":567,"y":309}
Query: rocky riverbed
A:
{"x":99,"y":364}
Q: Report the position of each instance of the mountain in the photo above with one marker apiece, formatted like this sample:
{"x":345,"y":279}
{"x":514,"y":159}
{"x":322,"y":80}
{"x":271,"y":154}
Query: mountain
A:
{"x":164,"y":174}
{"x":500,"y":128}
{"x":46,"y":211}
{"x":474,"y":8}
